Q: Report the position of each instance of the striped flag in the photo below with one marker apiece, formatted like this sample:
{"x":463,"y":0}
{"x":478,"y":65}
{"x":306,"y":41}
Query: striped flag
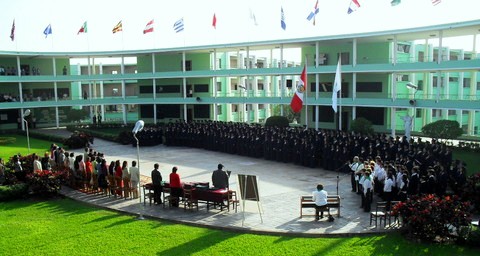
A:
{"x":435,"y":2}
{"x":83,"y":29}
{"x":354,"y":5}
{"x":148,"y":27}
{"x":282,"y":19}
{"x":48,"y":30}
{"x":214,"y":21}
{"x":178,"y":26}
{"x":12,"y":32}
{"x":297,"y":101}
{"x":118,"y":27}
{"x":313,"y":13}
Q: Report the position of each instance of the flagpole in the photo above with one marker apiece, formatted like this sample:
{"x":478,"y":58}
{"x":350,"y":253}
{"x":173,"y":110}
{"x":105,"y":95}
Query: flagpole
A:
{"x":306,"y":93}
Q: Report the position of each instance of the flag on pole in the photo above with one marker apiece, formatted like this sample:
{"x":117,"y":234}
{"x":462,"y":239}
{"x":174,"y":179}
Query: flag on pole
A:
{"x":435,"y":2}
{"x":178,"y":26}
{"x":354,"y":5}
{"x":214,"y":21}
{"x":395,"y":2}
{"x":148,"y":27}
{"x":253,"y":18}
{"x":48,"y":30}
{"x":83,"y":29}
{"x":118,"y":27}
{"x":12,"y":32}
{"x":313,"y":13}
{"x":297,"y":101}
{"x":337,"y":84}
{"x":282,"y":19}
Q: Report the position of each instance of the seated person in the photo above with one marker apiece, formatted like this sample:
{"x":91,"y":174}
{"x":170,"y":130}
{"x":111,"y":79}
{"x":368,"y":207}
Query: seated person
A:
{"x":320,"y":199}
{"x":220,"y":178}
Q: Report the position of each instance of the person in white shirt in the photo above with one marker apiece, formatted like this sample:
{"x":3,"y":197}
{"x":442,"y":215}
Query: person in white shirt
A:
{"x":367,"y":192}
{"x":387,"y":189}
{"x":37,"y":165}
{"x":355,"y":168}
{"x":134,"y":178}
{"x":379,"y":177}
{"x":320,"y":198}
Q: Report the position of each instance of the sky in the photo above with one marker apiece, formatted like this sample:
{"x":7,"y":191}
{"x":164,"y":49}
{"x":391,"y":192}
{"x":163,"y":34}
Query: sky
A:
{"x":234,"y":23}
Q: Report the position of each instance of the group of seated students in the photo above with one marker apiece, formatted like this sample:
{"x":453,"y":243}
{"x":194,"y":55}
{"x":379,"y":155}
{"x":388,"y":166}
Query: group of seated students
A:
{"x":91,"y":173}
{"x":399,"y":180}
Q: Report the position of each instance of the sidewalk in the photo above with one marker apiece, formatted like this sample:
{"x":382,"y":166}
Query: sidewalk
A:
{"x":280,"y":188}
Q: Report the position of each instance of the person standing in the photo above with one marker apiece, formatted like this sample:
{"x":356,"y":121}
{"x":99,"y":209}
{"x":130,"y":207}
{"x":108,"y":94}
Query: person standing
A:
{"x":320,"y":196}
{"x":134,"y":178}
{"x":175,"y":187}
{"x":220,"y":178}
{"x":355,"y":168}
{"x":37,"y":165}
{"x":157,"y":184}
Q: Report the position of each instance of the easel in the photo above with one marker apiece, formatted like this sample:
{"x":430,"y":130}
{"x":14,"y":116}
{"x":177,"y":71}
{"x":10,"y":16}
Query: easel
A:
{"x":249,"y":191}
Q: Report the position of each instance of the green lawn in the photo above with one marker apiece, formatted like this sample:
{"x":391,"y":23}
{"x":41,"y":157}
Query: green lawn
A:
{"x":20,"y":146}
{"x":67,"y":227}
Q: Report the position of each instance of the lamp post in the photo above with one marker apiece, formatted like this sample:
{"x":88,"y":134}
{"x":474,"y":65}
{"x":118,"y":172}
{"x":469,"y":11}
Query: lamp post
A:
{"x":138,"y":127}
{"x":25,"y":114}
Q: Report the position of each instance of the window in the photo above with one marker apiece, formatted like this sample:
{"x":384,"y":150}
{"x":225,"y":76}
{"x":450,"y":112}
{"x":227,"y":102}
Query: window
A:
{"x":420,"y":85}
{"x":201,"y":88}
{"x":421,"y":56}
{"x":466,"y":82}
{"x":374,"y":115}
{"x":219,"y":86}
{"x":260,"y":86}
{"x":418,"y":113}
{"x":168,"y":88}
{"x":219,"y":109}
{"x":146,"y":89}
{"x":453,"y":56}
{"x":345,"y":56}
{"x":188,"y":65}
{"x":453,"y":79}
{"x":436,"y":113}
{"x":452,"y":112}
{"x":201,"y":111}
{"x":261,"y":106}
{"x":369,"y":86}
{"x":114,"y":72}
{"x":219,"y":63}
{"x":259,"y":64}
{"x":234,"y":108}
{"x":405,"y":48}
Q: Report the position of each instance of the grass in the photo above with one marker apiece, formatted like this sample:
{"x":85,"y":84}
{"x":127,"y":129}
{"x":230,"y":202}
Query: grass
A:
{"x":67,"y":227}
{"x":20,"y":146}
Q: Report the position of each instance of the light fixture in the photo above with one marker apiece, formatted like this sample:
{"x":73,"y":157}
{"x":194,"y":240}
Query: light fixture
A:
{"x":138,"y":127}
{"x":25,"y":114}
{"x":411,"y":85}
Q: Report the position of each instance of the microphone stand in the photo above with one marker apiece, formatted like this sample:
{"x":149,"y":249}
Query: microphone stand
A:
{"x":338,"y":175}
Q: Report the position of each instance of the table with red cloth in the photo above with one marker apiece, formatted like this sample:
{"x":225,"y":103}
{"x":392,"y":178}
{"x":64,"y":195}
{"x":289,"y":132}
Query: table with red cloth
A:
{"x":202,"y":193}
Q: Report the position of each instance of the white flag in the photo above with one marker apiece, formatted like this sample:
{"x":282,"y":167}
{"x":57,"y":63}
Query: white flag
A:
{"x":337,"y":85}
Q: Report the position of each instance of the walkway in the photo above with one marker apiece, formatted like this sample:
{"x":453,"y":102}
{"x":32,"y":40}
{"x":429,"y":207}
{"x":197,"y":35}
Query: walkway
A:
{"x":280,"y":187}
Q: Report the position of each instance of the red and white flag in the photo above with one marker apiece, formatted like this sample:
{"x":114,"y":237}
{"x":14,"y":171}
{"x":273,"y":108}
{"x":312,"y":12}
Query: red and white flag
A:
{"x":148,"y":27}
{"x":214,"y":21}
{"x":297,"y":100}
{"x":435,"y":2}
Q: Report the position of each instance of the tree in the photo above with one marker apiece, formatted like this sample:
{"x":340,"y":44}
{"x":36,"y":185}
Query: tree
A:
{"x":279,"y":121}
{"x":443,"y":129}
{"x":362,"y":126}
{"x":75,"y":115}
{"x":287,"y":112}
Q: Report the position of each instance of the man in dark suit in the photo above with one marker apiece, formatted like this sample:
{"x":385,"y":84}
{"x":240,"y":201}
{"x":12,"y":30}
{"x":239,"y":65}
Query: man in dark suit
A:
{"x":220,"y":178}
{"x":157,"y":184}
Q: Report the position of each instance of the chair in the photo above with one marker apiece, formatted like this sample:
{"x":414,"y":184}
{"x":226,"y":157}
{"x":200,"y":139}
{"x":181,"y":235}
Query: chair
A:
{"x":167,"y":198}
{"x":233,"y":200}
{"x":189,"y":199}
{"x":389,"y":213}
{"x":379,"y":213}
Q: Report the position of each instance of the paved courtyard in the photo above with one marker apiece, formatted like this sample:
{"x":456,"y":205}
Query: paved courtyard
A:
{"x":280,"y":188}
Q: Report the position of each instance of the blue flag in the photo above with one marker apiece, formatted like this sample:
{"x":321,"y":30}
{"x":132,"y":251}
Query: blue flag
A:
{"x":178,"y":26}
{"x":282,"y":20}
{"x":48,"y":30}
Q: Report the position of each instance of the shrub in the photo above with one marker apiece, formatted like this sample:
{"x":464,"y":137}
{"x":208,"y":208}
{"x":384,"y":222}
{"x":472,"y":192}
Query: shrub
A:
{"x":11,"y":192}
{"x":362,"y":126}
{"x":78,"y":140}
{"x":46,"y":182}
{"x":471,"y":190}
{"x":278,"y":121}
{"x":443,"y":129}
{"x":430,"y":218}
{"x":7,"y":140}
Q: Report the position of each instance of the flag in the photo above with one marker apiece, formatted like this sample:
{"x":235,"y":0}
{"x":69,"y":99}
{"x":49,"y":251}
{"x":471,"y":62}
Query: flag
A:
{"x":282,"y":19}
{"x":354,"y":5}
{"x":313,"y":13}
{"x":118,"y":27}
{"x":297,"y":101}
{"x":337,"y":84}
{"x":148,"y":27}
{"x":83,"y":29}
{"x":395,"y":2}
{"x":214,"y":21}
{"x":435,"y":2}
{"x":48,"y":30}
{"x":253,"y":18}
{"x":178,"y":26}
{"x":12,"y":32}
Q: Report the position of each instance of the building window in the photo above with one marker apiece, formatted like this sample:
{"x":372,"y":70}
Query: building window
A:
{"x":260,"y":86}
{"x":345,"y":56}
{"x":219,"y":63}
{"x":464,"y":112}
{"x":322,"y":59}
{"x":234,"y":108}
{"x":452,"y":112}
{"x":453,"y":56}
{"x":436,"y":112}
{"x":418,"y":113}
{"x":466,"y":82}
{"x":188,"y":65}
{"x":453,"y":79}
{"x":219,"y":86}
{"x":219,"y":109}
{"x":114,"y":72}
{"x":405,"y":48}
{"x":420,"y":85}
{"x":261,"y":106}
{"x":421,"y":56}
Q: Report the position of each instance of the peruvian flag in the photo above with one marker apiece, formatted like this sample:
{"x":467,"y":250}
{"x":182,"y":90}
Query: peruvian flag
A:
{"x":297,"y":100}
